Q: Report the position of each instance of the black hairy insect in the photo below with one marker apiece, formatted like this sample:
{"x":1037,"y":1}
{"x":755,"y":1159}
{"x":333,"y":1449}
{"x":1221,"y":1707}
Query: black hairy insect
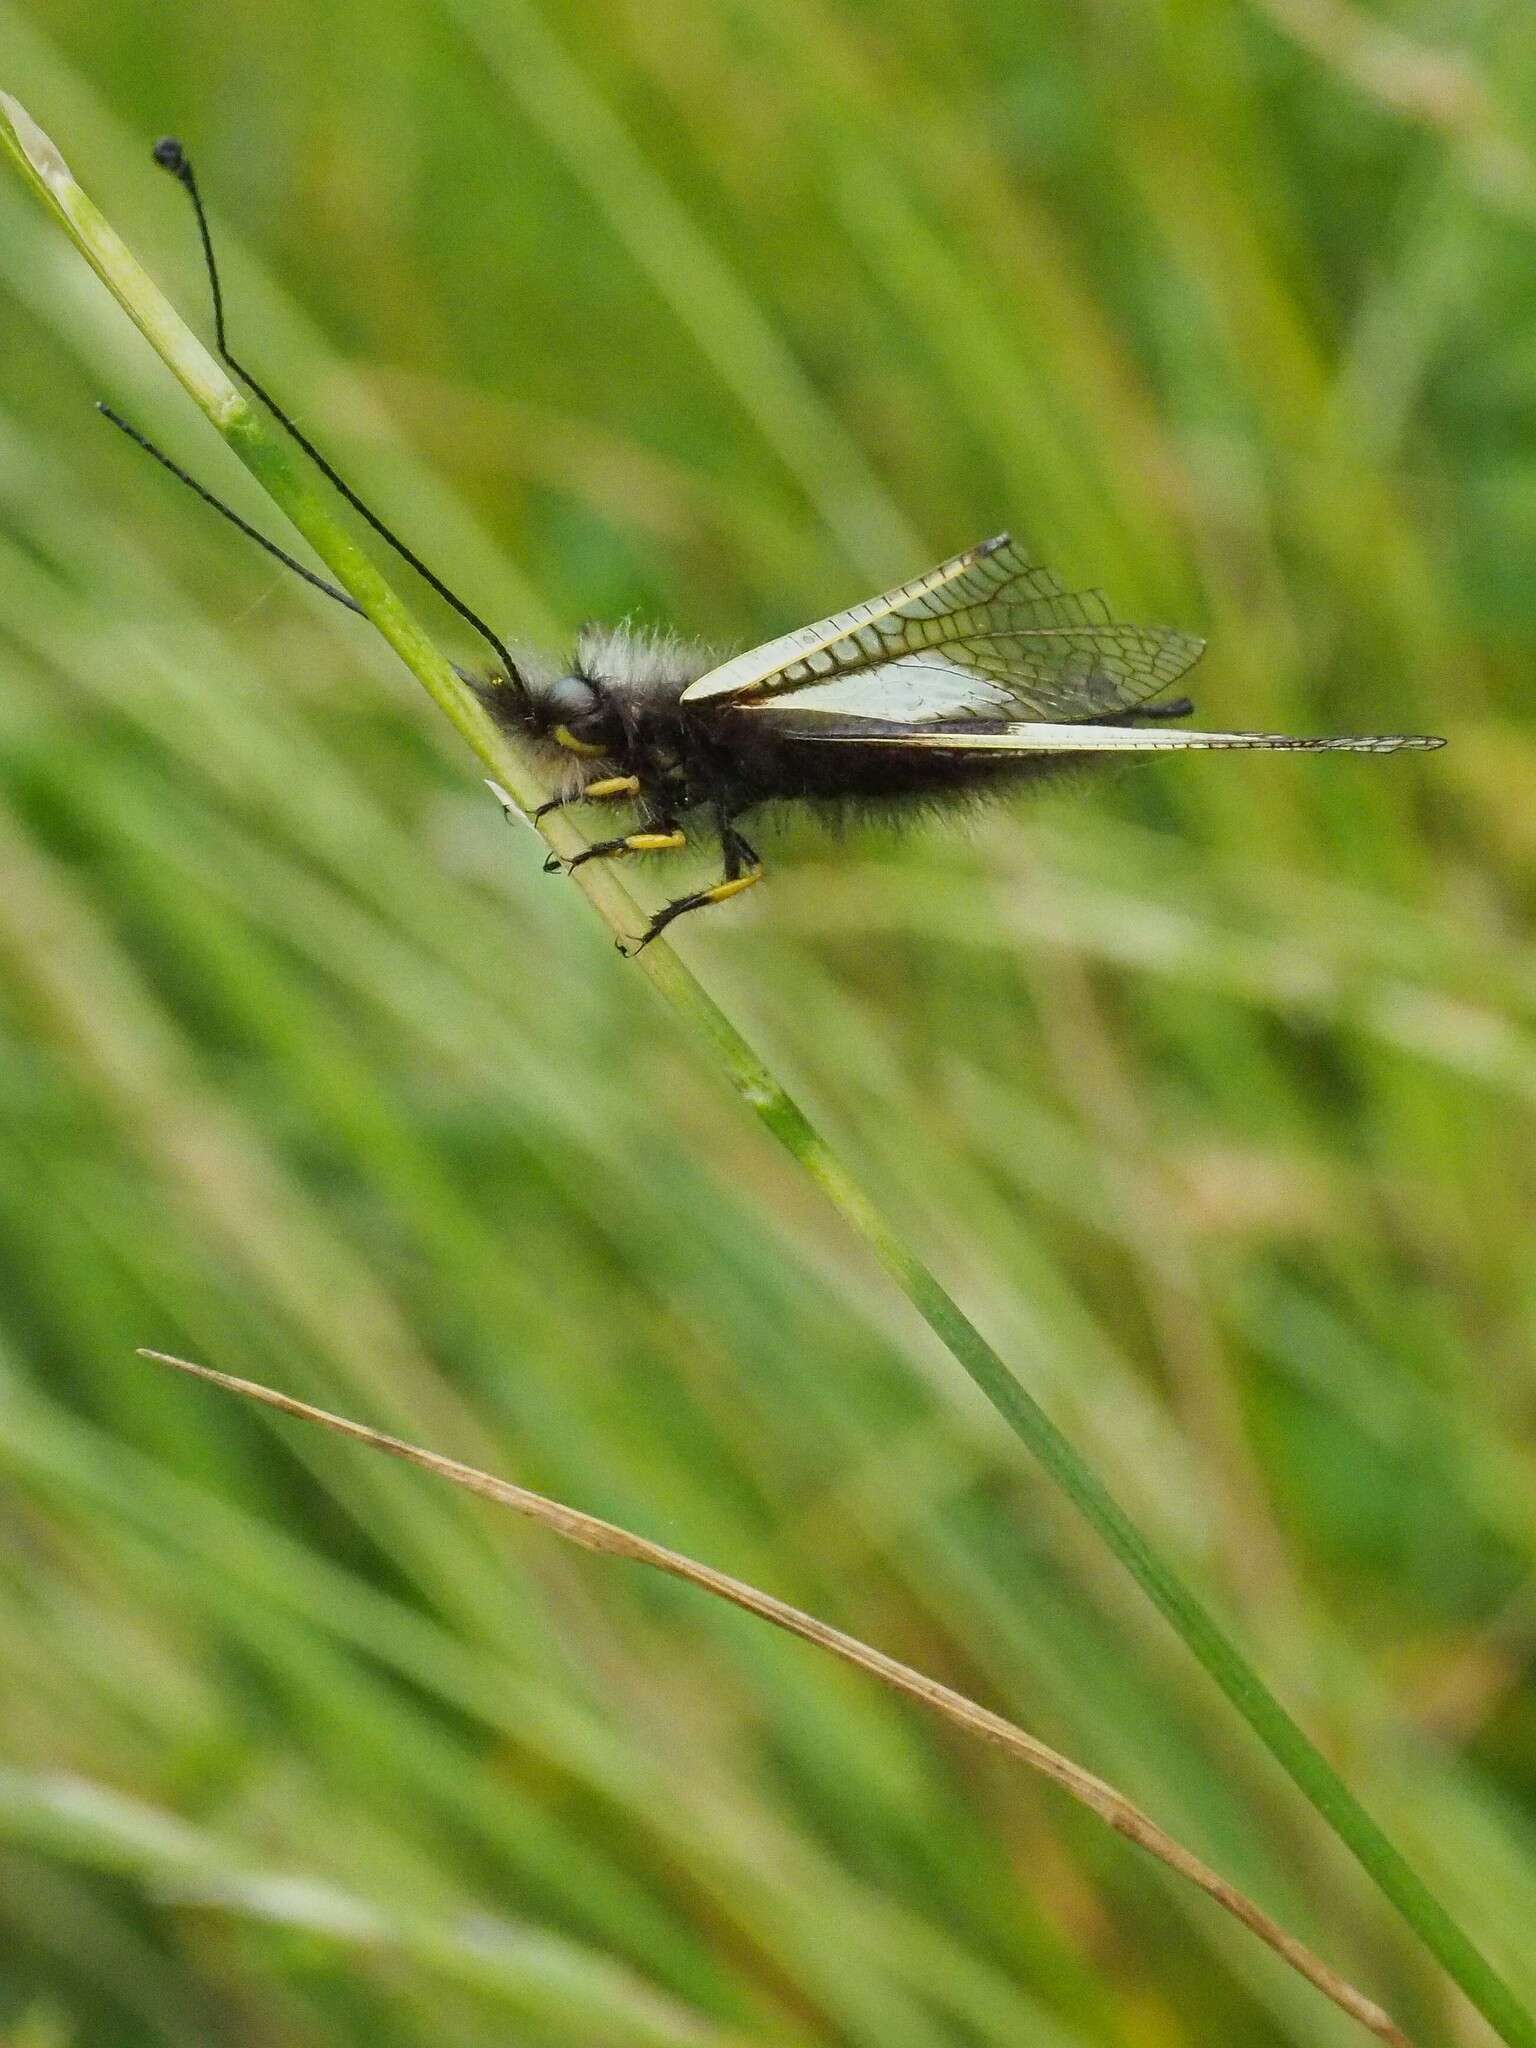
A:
{"x":982,"y":674}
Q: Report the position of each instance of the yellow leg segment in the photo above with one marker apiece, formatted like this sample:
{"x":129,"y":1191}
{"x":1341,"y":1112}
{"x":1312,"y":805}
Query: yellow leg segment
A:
{"x":653,"y":842}
{"x":723,"y":891}
{"x":605,"y":789}
{"x":610,"y":849}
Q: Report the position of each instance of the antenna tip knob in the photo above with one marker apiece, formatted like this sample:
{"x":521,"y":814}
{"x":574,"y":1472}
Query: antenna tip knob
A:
{"x":170,"y":155}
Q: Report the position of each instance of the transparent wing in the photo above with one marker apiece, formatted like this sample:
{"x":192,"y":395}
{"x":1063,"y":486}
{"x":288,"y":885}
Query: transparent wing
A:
{"x":987,"y":634}
{"x":1039,"y":737}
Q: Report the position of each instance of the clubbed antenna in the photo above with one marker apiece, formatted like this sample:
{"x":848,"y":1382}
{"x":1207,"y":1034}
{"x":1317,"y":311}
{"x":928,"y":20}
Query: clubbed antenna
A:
{"x":171,"y":157}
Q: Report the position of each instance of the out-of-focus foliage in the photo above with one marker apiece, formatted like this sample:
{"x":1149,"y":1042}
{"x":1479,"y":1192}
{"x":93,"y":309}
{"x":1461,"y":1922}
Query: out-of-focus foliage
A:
{"x":1209,"y":1088}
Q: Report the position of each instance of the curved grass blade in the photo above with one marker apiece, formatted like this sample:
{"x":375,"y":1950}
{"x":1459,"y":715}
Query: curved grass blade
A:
{"x":608,"y":1539}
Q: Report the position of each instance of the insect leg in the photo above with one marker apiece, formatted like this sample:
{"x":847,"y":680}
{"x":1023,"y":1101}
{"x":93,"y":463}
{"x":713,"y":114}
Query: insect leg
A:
{"x":738,"y":855}
{"x":608,"y":788}
{"x":743,"y":869}
{"x":657,"y":831}
{"x":664,"y":839}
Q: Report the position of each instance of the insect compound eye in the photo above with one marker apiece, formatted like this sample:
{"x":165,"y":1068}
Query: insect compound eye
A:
{"x":572,"y":700}
{"x":577,"y":716}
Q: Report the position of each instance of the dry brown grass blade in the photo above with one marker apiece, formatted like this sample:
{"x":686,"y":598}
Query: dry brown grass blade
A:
{"x":592,"y":1533}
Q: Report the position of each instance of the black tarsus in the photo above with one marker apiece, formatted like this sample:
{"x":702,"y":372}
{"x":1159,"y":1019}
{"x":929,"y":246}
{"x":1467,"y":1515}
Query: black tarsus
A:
{"x":669,"y":913}
{"x":170,"y":156}
{"x":600,"y":849}
{"x":225,"y":512}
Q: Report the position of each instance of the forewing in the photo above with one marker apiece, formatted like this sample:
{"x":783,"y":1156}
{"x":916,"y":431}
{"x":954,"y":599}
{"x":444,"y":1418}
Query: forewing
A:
{"x":988,"y":634}
{"x":847,"y":640}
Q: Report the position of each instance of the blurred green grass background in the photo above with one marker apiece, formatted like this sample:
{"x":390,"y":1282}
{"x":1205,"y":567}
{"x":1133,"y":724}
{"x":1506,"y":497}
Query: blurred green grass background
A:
{"x":1208,"y":1088}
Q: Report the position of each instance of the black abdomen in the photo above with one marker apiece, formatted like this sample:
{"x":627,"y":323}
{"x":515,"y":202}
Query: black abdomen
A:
{"x":769,"y":764}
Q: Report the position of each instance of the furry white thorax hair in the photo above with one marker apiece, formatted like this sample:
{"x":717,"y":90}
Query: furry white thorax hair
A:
{"x":641,"y":661}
